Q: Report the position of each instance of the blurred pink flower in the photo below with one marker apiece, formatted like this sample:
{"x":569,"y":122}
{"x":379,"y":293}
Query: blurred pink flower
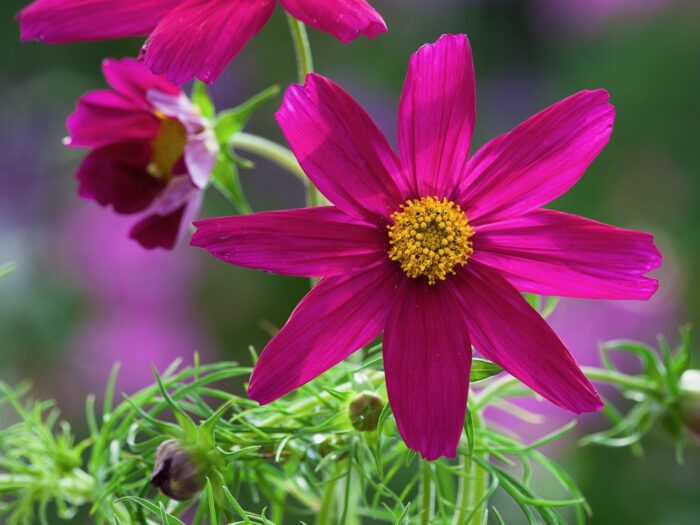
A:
{"x":189,"y":38}
{"x":140,"y":312}
{"x":152,"y":151}
{"x":432,"y":246}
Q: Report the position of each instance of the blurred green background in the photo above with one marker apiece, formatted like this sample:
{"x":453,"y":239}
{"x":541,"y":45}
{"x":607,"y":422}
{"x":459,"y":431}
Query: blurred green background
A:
{"x":83,"y":296}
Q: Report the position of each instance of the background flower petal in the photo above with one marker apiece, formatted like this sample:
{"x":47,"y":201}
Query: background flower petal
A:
{"x":338,"y":316}
{"x":309,"y":242}
{"x":437,"y":115}
{"x":344,"y":19}
{"x":200,"y":37}
{"x":553,"y":253}
{"x":427,"y":359}
{"x":106,"y":117}
{"x":133,"y":80}
{"x":341,"y":149}
{"x":116,"y":175}
{"x":539,"y":160}
{"x":505,"y":329}
{"x":58,"y":21}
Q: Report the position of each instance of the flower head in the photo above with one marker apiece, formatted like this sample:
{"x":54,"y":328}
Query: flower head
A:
{"x":189,"y":38}
{"x":431,"y":247}
{"x":152,"y":151}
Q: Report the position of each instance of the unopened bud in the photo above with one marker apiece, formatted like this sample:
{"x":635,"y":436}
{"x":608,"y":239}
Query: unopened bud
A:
{"x":176,"y":473}
{"x":364,"y":411}
{"x":690,"y":401}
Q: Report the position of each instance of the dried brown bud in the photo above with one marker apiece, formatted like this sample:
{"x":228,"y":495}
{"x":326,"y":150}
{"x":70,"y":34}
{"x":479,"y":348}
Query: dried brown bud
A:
{"x":176,"y":473}
{"x":364,"y":411}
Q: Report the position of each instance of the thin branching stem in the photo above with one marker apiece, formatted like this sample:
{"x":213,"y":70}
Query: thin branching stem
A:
{"x":271,"y":151}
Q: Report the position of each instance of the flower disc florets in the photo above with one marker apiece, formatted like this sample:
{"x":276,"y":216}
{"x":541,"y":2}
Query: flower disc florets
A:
{"x":430,"y":237}
{"x":167,"y":147}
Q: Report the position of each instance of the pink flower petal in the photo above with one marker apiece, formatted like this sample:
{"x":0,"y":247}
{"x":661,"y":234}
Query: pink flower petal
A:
{"x":338,"y":316}
{"x":58,"y":21}
{"x":427,"y":359}
{"x":505,"y":329}
{"x":106,"y":117}
{"x":344,"y":19}
{"x":159,"y":231}
{"x":133,"y":80}
{"x":116,"y":175}
{"x":309,"y":242}
{"x":341,"y":149}
{"x":437,"y":115}
{"x":552,"y":253}
{"x":200,"y":37}
{"x":539,"y":160}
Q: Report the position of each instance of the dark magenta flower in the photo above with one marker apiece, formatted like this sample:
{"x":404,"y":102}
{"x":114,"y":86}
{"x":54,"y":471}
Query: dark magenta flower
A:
{"x":152,"y":151}
{"x":189,"y":38}
{"x":430,"y":247}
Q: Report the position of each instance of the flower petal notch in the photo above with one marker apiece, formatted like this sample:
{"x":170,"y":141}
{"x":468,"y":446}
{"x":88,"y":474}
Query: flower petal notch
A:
{"x":456,"y":239}
{"x":189,"y":39}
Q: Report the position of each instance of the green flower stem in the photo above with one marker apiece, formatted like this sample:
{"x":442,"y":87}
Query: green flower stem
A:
{"x":426,"y":517}
{"x":374,"y":377}
{"x":472,"y":487}
{"x":271,"y":151}
{"x":326,"y":514}
{"x":302,"y":48}
{"x":599,"y":375}
{"x":305,"y":65}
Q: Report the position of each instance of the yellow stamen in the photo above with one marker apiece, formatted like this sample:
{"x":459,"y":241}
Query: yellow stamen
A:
{"x":167,"y":147}
{"x":430,"y":237}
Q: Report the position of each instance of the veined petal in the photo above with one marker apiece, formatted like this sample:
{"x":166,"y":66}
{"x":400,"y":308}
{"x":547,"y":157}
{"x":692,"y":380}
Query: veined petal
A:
{"x":341,"y":149}
{"x":553,"y":253}
{"x":309,"y":242}
{"x":133,"y":80}
{"x":437,"y":115}
{"x":58,"y":21}
{"x":116,"y":175}
{"x":200,"y":37}
{"x":537,"y":161}
{"x":505,"y":329}
{"x":344,"y":19}
{"x":106,"y":117}
{"x":338,"y":316}
{"x":427,"y":359}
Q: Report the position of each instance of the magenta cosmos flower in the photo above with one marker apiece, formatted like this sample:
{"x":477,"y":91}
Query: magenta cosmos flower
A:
{"x":152,"y":151}
{"x":189,"y":38}
{"x":430,"y":247}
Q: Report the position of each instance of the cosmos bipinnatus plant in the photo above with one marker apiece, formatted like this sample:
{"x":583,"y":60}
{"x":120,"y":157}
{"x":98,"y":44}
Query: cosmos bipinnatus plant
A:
{"x":432,"y":273}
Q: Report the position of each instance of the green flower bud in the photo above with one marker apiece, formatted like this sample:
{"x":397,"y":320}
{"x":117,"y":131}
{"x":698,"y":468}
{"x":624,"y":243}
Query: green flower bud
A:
{"x":690,"y":401}
{"x":364,"y":411}
{"x":176,"y":473}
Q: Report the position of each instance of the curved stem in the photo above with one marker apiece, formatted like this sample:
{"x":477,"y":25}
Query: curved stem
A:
{"x":427,"y":495}
{"x":302,"y":48}
{"x":599,"y":375}
{"x":305,"y":65}
{"x":472,"y":486}
{"x":269,"y":150}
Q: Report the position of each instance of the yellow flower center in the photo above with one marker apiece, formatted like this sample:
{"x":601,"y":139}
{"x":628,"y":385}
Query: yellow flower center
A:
{"x":167,"y":147}
{"x":430,"y":237}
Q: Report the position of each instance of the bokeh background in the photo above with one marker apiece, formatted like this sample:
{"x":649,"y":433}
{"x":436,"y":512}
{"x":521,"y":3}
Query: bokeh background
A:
{"x":83,"y":296}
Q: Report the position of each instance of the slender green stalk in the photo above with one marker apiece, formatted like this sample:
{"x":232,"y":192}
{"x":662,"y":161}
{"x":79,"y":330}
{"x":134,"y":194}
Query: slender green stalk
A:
{"x":427,"y":495}
{"x":599,"y":375}
{"x":305,"y":65}
{"x":271,"y":151}
{"x":302,"y":48}
{"x":472,"y":486}
{"x":326,"y":514}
